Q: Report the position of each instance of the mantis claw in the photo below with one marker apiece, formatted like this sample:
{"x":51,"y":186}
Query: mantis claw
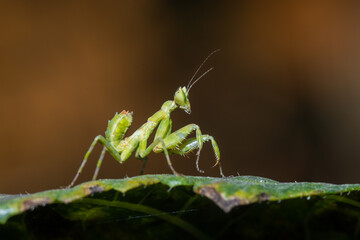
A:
{"x":197,"y":162}
{"x":179,"y":174}
{"x":217,"y":162}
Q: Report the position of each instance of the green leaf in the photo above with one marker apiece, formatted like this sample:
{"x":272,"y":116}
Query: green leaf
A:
{"x":195,"y":207}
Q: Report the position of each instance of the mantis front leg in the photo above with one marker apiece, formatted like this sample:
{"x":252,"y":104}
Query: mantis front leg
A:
{"x":164,"y":141}
{"x":190,"y":144}
{"x":173,"y":140}
{"x":163,"y":130}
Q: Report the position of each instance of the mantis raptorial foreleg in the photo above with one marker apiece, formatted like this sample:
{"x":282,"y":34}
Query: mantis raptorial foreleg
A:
{"x":191,"y":144}
{"x":164,"y":141}
{"x":162,"y":131}
{"x":176,"y":138}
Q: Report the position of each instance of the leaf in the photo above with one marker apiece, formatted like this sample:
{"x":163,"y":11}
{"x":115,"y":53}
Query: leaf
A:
{"x":168,"y":205}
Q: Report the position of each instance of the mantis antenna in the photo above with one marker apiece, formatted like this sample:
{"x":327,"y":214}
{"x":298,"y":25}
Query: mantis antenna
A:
{"x":190,"y":84}
{"x":200,"y":78}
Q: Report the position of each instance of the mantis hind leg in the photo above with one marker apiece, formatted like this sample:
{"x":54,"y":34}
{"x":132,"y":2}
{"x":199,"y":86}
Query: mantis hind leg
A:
{"x":98,"y":165}
{"x":191,"y":144}
{"x":103,"y":142}
{"x":98,"y":138}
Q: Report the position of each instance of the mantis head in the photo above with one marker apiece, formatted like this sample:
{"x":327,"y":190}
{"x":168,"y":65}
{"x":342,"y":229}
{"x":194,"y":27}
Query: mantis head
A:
{"x":182,"y":94}
{"x":182,"y":99}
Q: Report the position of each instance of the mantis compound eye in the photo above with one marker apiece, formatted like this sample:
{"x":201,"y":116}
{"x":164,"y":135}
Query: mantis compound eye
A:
{"x":180,"y":97}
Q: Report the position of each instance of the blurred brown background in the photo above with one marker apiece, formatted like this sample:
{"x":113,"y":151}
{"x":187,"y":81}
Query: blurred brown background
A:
{"x":283,"y":101}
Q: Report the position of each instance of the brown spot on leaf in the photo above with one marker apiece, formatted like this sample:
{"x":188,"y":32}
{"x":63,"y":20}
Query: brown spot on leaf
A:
{"x":230,"y":203}
{"x":263,"y":197}
{"x":224,"y":204}
{"x":32,"y":203}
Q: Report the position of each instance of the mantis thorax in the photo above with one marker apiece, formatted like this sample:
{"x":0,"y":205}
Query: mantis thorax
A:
{"x":169,"y":106}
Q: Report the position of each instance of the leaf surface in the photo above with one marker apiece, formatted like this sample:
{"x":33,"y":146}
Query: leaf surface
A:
{"x":184,"y":204}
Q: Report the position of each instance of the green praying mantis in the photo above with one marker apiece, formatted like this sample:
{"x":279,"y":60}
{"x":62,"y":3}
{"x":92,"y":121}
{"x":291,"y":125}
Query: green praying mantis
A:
{"x":121,"y":148}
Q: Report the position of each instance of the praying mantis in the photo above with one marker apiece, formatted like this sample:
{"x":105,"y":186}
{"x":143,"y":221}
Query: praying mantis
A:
{"x":165,"y":141}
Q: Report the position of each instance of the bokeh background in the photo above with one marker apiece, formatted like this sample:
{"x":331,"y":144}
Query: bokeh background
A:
{"x":283,"y":101}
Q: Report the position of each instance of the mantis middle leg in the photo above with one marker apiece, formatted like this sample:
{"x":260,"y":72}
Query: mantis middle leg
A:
{"x":152,"y":146}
